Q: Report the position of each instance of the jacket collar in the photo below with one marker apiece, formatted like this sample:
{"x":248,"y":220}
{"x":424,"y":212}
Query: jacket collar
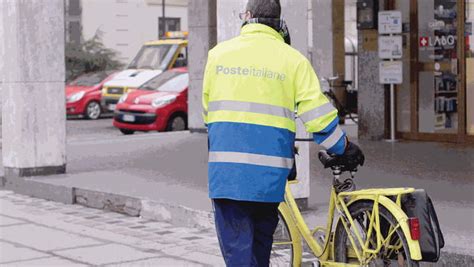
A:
{"x":258,"y":28}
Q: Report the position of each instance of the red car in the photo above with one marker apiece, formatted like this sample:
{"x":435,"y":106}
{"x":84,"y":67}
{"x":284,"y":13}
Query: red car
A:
{"x":159,"y":105}
{"x":84,"y":93}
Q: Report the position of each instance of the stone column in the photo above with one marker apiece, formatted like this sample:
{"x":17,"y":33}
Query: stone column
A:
{"x":371,"y":94}
{"x":202,"y":37}
{"x":32,"y":74}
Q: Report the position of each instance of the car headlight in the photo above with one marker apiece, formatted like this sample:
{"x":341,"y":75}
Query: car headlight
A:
{"x":76,"y":97}
{"x":123,"y":98}
{"x":162,"y":101}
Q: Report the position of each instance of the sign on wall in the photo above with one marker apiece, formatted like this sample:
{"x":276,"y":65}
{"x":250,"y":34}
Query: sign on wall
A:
{"x":390,"y":47}
{"x":391,"y":72}
{"x":390,"y":22}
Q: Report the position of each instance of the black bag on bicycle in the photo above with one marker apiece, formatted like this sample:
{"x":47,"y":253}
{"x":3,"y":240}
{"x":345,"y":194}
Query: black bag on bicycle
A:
{"x":418,"y":204}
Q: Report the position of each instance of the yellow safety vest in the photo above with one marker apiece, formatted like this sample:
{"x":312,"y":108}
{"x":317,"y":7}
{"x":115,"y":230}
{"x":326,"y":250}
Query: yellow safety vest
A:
{"x":253,"y":84}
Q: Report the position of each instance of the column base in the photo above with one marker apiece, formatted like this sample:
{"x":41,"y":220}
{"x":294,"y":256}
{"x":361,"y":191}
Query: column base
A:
{"x":302,"y":203}
{"x":35,"y":171}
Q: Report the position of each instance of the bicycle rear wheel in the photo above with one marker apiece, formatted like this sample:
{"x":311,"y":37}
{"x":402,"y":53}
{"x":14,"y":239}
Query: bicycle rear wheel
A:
{"x":395,"y":250}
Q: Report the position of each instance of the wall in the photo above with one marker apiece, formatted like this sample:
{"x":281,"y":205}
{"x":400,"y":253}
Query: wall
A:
{"x":126,"y":25}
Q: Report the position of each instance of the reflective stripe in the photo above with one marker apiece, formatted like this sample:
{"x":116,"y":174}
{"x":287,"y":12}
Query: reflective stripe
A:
{"x":317,"y":112}
{"x":251,"y":107}
{"x":333,"y":138}
{"x":254,"y":159}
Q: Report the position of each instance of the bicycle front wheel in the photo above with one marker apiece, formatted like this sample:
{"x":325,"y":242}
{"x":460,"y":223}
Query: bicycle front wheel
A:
{"x":286,"y":248}
{"x":394,"y":250}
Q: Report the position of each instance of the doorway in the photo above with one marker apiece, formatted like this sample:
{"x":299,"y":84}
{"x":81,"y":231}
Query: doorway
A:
{"x":435,"y":90}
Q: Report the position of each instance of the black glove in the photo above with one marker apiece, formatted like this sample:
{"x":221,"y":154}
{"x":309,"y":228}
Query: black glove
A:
{"x":352,"y":157}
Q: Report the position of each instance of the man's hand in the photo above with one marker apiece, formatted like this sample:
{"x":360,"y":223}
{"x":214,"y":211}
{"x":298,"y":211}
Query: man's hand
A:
{"x":352,"y":157}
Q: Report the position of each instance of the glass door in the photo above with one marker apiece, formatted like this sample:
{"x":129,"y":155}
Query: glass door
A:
{"x":437,"y":68}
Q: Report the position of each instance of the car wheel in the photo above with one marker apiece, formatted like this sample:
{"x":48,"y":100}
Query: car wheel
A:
{"x":177,"y":123}
{"x":93,"y":110}
{"x":127,"y":131}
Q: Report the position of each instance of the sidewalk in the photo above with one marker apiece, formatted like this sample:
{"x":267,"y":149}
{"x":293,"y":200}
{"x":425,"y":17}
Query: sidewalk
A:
{"x":72,"y":235}
{"x":177,"y":192}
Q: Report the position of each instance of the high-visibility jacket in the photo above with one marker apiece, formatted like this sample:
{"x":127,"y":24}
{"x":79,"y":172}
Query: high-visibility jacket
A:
{"x":253,"y":84}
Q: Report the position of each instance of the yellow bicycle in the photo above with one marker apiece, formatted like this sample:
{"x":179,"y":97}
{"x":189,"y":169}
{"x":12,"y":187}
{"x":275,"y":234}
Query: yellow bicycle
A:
{"x":371,"y":228}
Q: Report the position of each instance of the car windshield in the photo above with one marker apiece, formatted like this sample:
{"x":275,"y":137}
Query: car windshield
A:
{"x":155,"y":57}
{"x":90,"y":79}
{"x":170,"y":81}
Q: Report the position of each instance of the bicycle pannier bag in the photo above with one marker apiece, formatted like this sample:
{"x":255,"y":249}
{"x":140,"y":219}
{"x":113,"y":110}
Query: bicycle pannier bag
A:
{"x":418,"y":204}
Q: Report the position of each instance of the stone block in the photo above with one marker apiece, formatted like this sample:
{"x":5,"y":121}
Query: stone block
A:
{"x":175,"y":214}
{"x":38,"y":189}
{"x":32,"y":43}
{"x":107,"y":201}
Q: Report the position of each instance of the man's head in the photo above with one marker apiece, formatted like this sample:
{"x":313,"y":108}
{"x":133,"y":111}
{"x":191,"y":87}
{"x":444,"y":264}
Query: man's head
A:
{"x":263,"y":9}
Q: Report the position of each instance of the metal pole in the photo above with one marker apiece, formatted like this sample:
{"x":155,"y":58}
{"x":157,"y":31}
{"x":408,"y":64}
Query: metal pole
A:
{"x":392,"y":109}
{"x":392,"y":112}
{"x":163,"y":4}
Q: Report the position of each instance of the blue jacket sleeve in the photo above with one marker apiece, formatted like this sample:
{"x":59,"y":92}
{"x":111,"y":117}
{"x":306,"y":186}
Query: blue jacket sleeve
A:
{"x":333,"y":138}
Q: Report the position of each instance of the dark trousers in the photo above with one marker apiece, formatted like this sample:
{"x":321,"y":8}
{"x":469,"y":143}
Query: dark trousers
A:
{"x":245,"y":231}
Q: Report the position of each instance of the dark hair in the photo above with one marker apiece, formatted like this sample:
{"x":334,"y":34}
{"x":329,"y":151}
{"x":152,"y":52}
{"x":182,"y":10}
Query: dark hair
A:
{"x":264,"y":8}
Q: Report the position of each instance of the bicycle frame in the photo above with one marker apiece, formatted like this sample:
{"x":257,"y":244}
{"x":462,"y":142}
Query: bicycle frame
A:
{"x":340,"y":202}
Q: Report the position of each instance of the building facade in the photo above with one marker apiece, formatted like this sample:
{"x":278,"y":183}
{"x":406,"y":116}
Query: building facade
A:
{"x":124,"y":24}
{"x":435,"y":100}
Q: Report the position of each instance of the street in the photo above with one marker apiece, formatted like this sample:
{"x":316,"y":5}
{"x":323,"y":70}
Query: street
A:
{"x":71,"y":235}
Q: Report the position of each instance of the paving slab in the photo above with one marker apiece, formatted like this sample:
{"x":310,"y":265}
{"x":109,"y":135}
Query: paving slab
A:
{"x":105,"y":254}
{"x":46,"y":239}
{"x":4,"y":221}
{"x":161,"y":261}
{"x":11,"y":253}
{"x":50,"y":261}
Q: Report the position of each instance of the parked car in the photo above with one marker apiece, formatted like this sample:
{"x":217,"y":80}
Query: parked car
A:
{"x":154,"y":58}
{"x":83,"y":95}
{"x":159,"y":105}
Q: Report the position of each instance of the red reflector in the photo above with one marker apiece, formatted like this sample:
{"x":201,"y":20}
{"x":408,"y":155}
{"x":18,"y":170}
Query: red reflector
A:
{"x":414,"y":228}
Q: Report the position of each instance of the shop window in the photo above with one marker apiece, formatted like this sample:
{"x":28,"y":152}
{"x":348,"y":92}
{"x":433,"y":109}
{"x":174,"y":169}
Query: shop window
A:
{"x":437,"y":52}
{"x":404,"y":90}
{"x":469,"y":66}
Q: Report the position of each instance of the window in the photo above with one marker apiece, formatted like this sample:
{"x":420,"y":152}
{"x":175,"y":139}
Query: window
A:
{"x":153,"y":57}
{"x":172,"y":24}
{"x":90,"y":79}
{"x":170,"y":81}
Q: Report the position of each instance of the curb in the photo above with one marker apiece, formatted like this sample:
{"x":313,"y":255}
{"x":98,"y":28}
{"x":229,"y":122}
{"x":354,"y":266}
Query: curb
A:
{"x":154,"y":210}
{"x":147,"y":209}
